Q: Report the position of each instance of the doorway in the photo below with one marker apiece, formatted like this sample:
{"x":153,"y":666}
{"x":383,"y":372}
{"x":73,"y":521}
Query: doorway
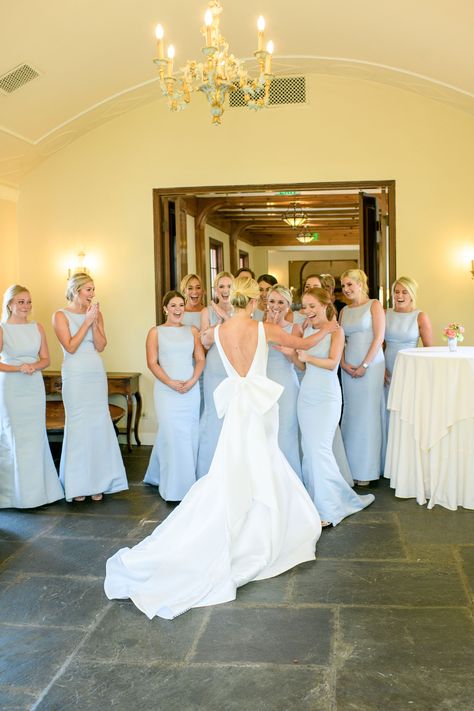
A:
{"x":351,"y":222}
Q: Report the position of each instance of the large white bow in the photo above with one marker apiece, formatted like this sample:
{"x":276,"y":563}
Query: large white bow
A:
{"x":260,"y":392}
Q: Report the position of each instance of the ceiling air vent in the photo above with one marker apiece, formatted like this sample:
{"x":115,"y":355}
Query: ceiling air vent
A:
{"x":17,"y":77}
{"x":283,"y":90}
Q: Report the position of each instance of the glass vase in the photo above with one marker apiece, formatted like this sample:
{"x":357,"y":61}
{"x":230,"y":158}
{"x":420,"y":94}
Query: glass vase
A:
{"x":453,"y":344}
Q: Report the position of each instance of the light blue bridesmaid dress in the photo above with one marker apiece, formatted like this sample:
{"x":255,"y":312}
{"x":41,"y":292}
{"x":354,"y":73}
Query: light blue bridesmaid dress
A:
{"x":172,"y":464}
{"x":363,"y":418}
{"x":282,"y":371}
{"x":28,"y":477}
{"x":319,"y":409}
{"x":210,"y":425}
{"x":401,"y":331}
{"x":258,"y":315}
{"x":193,"y":318}
{"x":91,"y":462}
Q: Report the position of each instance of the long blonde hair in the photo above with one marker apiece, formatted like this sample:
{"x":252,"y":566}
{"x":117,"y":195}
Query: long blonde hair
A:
{"x":359,"y":276}
{"x":10,"y":294}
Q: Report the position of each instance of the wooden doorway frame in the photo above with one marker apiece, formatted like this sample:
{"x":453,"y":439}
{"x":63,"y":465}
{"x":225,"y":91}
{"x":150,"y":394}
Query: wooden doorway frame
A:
{"x":161,"y":196}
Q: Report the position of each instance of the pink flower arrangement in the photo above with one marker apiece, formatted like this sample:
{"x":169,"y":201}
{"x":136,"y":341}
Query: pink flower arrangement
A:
{"x":454,"y":330}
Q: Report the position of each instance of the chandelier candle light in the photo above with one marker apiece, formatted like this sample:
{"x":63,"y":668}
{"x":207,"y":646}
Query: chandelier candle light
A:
{"x":219,"y":73}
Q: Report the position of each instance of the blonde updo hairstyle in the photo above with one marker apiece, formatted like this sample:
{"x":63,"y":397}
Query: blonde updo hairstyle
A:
{"x":8,"y":297}
{"x":283,"y":291}
{"x":358,"y":276}
{"x":409,"y":284}
{"x":75,"y":284}
{"x":185,"y":282}
{"x":243,"y":289}
{"x":325,"y":299}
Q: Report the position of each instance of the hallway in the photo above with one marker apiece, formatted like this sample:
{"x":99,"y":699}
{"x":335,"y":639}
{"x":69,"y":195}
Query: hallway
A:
{"x":382,"y":619}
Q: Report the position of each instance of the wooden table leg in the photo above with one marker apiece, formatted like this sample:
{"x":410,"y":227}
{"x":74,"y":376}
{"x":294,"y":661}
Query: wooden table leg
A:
{"x":138,"y":414}
{"x":129,"y":400}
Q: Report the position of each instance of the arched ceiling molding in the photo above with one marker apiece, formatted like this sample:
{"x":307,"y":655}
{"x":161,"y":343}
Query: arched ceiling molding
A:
{"x":21,"y":153}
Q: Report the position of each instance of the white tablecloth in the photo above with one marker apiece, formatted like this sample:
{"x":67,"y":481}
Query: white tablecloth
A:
{"x":430,"y":452}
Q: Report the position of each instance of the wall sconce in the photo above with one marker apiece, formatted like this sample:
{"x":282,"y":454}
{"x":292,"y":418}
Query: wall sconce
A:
{"x":472,"y":268}
{"x":79,"y":264}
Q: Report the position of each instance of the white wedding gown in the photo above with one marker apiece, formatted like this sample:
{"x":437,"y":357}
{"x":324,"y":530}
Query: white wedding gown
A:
{"x":249,"y":518}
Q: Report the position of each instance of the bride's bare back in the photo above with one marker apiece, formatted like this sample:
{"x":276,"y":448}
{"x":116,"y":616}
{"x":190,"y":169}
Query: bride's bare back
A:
{"x":239,"y":338}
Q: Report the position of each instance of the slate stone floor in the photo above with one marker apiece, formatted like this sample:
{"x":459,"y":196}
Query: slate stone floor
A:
{"x":383,"y":620}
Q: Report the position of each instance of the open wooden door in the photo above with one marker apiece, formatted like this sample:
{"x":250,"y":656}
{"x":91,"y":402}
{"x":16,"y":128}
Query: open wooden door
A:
{"x":369,"y":241}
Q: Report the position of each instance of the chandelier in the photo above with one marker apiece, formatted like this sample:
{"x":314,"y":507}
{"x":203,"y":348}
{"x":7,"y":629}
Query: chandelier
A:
{"x":219,"y":73}
{"x":295,"y":217}
{"x":305,"y":236}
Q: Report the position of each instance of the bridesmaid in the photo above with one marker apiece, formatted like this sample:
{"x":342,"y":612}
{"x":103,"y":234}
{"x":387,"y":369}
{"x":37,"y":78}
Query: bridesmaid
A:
{"x":91,"y":463}
{"x":265,"y":284}
{"x":280,"y":368}
{"x":193,"y":292}
{"x":319,"y":409}
{"x":405,"y":324}
{"x":219,"y":310}
{"x":363,"y":366}
{"x":312,"y":281}
{"x":28,"y":477}
{"x":175,"y":356}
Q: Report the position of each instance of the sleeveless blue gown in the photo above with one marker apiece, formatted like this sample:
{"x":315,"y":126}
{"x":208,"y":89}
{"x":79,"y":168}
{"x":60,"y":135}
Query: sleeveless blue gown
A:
{"x":172,"y":465}
{"x":363,"y":418}
{"x":319,"y":409}
{"x":91,"y":462}
{"x":282,"y":371}
{"x":401,"y":331}
{"x":210,"y":425}
{"x":193,"y":318}
{"x":28,"y":476}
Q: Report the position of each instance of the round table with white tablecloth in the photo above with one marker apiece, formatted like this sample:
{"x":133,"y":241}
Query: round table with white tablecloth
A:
{"x":430,"y":452}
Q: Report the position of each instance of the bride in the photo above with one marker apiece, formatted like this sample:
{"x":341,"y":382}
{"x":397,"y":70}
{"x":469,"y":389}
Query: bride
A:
{"x":250,"y":517}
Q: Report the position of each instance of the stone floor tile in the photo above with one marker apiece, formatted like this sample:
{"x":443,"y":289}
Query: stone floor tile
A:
{"x":436,"y":553}
{"x":93,"y":527}
{"x":374,"y":583}
{"x":428,"y":690}
{"x":271,"y":591}
{"x":467,"y":557}
{"x":18,"y":525}
{"x":9,"y":549}
{"x":407,"y":638}
{"x":30,"y":656}
{"x":73,"y":556}
{"x":359,"y":540}
{"x":86,"y":686}
{"x":440,"y":526}
{"x":17,"y":699}
{"x":47,"y":600}
{"x":266,"y":635}
{"x":120,"y":504}
{"x":126,"y":635}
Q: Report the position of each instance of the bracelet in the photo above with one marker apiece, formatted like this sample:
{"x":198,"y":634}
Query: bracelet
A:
{"x":365,"y":366}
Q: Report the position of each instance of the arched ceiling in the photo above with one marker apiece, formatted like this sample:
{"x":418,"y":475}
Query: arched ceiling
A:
{"x":94,"y":58}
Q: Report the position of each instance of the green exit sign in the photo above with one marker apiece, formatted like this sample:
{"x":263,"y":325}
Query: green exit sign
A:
{"x":315,"y":236}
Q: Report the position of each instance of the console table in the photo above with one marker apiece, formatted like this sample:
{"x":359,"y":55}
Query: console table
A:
{"x":125,"y":384}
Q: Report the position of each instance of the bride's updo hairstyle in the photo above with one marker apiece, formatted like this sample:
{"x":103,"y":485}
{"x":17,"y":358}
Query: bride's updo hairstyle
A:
{"x":324,"y":299}
{"x":243,"y":289}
